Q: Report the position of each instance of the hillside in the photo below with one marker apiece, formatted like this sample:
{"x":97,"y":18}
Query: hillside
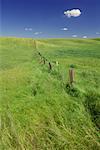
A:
{"x":38,"y":111}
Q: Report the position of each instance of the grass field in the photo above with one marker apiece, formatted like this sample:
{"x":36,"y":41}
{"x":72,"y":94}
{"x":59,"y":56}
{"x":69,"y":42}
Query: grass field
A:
{"x":38,"y":111}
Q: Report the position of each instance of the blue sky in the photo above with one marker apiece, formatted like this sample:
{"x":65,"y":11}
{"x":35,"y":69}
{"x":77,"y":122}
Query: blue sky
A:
{"x":46,"y":19}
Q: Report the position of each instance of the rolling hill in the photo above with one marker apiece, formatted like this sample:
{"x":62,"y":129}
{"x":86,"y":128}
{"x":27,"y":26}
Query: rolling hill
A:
{"x":38,"y":111}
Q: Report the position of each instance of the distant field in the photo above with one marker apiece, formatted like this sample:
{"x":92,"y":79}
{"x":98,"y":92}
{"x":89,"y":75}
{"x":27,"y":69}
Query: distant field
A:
{"x":38,"y":111}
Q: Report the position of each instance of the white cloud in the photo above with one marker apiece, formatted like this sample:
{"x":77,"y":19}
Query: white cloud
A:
{"x":72,"y":13}
{"x":84,"y":37}
{"x":28,"y":29}
{"x":64,"y":29}
{"x":97,"y":32}
{"x":74,"y":35}
{"x":37,"y":33}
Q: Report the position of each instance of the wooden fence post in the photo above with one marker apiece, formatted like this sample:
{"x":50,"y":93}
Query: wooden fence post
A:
{"x":57,"y":63}
{"x":35,"y":46}
{"x":50,"y":66}
{"x":71,"y":74}
{"x":44,"y":60}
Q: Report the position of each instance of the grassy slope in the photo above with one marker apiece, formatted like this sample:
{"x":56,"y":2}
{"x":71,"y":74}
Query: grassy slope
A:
{"x":37,"y":111}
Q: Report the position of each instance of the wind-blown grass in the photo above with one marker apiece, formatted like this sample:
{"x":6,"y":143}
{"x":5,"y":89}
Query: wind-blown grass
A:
{"x":37,"y":110}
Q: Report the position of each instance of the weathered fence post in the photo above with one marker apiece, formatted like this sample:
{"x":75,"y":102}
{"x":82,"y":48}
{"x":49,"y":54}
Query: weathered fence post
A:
{"x":71,"y":74}
{"x":39,"y":53}
{"x":57,"y":63}
{"x":44,"y":60}
{"x":50,"y":66}
{"x":35,"y":46}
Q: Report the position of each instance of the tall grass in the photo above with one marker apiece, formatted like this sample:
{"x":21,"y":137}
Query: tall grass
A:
{"x":37,"y":111}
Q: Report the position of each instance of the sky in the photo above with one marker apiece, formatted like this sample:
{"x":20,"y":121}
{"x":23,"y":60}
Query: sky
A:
{"x":50,"y":18}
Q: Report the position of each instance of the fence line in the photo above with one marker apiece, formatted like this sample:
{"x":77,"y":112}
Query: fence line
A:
{"x":44,"y":60}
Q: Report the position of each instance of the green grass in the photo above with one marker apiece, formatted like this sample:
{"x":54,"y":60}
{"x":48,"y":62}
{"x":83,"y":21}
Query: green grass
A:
{"x":38,"y":111}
